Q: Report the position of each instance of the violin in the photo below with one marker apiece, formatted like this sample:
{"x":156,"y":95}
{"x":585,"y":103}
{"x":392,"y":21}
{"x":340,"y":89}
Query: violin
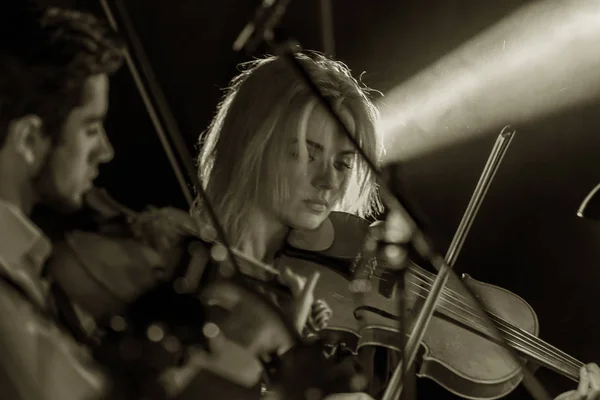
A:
{"x":459,"y":350}
{"x":100,"y":264}
{"x":153,"y":320}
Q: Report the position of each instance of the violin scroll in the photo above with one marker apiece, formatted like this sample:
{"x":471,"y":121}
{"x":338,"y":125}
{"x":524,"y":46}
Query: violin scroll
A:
{"x":319,"y":317}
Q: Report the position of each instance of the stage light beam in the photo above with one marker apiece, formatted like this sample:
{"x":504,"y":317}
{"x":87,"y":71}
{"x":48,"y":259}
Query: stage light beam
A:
{"x":541,"y":59}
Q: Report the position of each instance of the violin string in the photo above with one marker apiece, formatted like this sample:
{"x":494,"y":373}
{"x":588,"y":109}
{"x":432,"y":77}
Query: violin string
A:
{"x":512,"y":339}
{"x":570,"y":371}
{"x":517,"y":331}
{"x":497,"y":318}
{"x":526,"y":336}
{"x":540,"y":353}
{"x":553,"y":356}
{"x":528,"y":341}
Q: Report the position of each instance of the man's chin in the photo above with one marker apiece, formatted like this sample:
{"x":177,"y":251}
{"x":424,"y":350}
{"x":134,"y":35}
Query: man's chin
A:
{"x":65,"y":204}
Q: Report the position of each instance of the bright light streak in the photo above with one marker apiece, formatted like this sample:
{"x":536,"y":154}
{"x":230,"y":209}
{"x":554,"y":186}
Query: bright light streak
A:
{"x":541,"y":59}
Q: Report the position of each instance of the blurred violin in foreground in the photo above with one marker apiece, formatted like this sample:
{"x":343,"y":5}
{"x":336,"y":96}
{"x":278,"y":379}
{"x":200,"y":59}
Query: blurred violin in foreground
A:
{"x":165,"y":329}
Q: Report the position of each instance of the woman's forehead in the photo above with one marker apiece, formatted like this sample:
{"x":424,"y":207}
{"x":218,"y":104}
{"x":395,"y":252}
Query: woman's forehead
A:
{"x":323,"y":129}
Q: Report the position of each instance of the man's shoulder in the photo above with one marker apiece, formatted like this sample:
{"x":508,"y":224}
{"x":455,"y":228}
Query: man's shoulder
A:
{"x":35,"y":349}
{"x":11,"y":292}
{"x":20,"y":236}
{"x":21,"y":312}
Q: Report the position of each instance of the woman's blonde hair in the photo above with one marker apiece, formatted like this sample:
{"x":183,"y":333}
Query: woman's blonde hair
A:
{"x":249,"y":137}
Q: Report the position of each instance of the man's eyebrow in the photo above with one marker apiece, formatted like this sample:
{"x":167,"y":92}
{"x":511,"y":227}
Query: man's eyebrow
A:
{"x":94,"y":118}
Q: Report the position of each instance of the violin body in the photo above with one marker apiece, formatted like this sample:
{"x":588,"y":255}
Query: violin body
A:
{"x":456,"y":351}
{"x":102,"y":267}
{"x":467,"y":363}
{"x":126,"y":271}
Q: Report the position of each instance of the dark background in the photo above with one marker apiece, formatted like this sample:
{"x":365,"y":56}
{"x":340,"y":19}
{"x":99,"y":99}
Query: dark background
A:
{"x":526,"y":237}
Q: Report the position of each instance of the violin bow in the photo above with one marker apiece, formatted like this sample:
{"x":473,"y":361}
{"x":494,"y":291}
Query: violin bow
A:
{"x":267,"y":17}
{"x":394,"y":388}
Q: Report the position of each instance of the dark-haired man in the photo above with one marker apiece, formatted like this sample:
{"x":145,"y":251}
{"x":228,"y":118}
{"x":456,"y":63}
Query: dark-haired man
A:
{"x":54,"y":82}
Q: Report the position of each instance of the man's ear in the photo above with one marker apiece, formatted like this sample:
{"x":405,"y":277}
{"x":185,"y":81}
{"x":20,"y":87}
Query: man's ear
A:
{"x":26,"y":136}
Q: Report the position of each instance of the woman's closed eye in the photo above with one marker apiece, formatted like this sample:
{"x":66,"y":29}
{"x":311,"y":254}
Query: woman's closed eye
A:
{"x":296,"y":155}
{"x":345,"y":163}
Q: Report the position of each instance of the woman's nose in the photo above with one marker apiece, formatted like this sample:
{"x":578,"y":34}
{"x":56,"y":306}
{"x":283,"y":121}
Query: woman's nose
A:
{"x":326,"y":177}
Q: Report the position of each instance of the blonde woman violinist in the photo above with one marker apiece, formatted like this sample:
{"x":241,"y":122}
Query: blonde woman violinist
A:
{"x":273,"y":162}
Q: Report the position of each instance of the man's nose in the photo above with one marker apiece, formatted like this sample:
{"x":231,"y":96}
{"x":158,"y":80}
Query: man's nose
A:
{"x":106,"y":151}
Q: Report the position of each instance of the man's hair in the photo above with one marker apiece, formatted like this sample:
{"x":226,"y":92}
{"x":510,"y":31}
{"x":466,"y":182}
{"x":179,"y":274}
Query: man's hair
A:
{"x":46,"y":55}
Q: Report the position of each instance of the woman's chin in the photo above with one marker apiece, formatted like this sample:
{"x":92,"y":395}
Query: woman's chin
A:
{"x":308,"y":222}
